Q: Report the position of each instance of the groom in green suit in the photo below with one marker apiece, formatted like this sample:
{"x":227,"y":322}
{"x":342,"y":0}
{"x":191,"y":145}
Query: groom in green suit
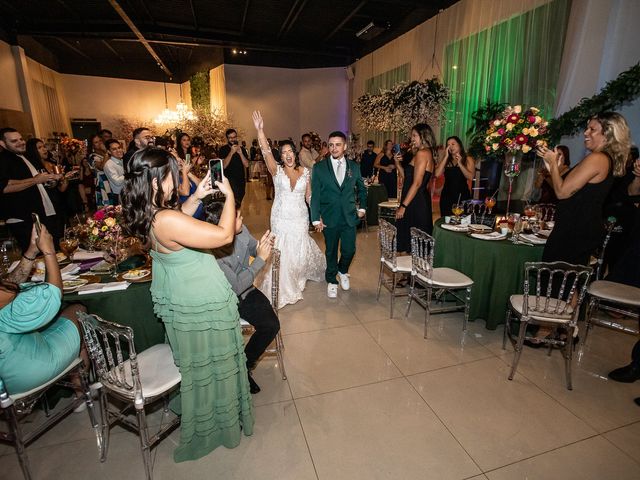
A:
{"x":333,"y":209}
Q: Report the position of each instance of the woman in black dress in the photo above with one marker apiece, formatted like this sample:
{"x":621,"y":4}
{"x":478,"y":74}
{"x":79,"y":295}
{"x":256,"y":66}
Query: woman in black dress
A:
{"x":415,"y":203}
{"x":458,"y":168}
{"x":579,"y":229}
{"x":387,"y":175}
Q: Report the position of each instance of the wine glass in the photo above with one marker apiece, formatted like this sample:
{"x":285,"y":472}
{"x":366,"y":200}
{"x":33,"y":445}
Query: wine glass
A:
{"x":529,"y":210}
{"x":489,"y":202}
{"x":69,"y":244}
{"x":457,"y":209}
{"x":117,"y":251}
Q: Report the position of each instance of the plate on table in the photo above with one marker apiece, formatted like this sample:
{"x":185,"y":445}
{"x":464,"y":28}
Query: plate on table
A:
{"x":489,"y":236}
{"x":533,"y":238}
{"x":69,"y":286}
{"x":137,"y":275}
{"x":455,"y":228}
{"x":479,"y":228}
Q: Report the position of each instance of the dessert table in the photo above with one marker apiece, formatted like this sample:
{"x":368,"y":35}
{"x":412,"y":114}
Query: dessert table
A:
{"x":495,"y":266}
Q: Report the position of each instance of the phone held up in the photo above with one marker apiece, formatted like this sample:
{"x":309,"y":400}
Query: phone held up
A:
{"x":36,"y":221}
{"x":217,"y":171}
{"x":396,"y":148}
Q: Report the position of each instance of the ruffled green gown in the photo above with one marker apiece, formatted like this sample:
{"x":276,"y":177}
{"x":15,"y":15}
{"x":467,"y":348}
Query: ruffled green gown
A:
{"x":200,"y":313}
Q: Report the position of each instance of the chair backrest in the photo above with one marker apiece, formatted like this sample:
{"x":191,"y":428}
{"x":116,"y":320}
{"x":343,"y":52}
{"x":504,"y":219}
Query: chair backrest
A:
{"x":609,"y":226}
{"x":474,"y":207}
{"x":113,"y":354}
{"x":387,"y":234}
{"x":422,"y":251}
{"x":275,"y":278}
{"x":560,"y":288}
{"x":546,"y":211}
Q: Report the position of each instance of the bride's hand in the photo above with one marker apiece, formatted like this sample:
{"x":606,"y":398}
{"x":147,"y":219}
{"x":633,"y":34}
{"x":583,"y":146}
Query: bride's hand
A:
{"x":257,"y":120}
{"x":319,"y":227}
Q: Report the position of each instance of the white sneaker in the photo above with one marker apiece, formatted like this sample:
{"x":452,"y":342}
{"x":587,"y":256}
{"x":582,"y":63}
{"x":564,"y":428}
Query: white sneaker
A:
{"x":344,"y":281}
{"x":332,"y":290}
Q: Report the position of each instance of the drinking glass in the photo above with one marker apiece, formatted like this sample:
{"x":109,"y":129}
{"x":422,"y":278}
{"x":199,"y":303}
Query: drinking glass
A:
{"x":489,"y":202}
{"x":529,"y":210}
{"x":69,"y":244}
{"x":457,"y":209}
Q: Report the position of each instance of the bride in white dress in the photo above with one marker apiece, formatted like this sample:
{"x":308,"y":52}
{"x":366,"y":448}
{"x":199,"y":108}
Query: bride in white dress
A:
{"x":300,"y":257}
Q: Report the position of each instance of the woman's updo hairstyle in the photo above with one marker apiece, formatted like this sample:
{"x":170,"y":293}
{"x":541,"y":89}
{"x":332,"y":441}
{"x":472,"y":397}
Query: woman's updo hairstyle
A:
{"x":139,"y":204}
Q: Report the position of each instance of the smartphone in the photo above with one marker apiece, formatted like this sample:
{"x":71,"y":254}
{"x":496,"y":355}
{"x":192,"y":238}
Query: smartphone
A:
{"x":217,"y":171}
{"x":36,"y":221}
{"x":187,"y":157}
{"x":396,"y":148}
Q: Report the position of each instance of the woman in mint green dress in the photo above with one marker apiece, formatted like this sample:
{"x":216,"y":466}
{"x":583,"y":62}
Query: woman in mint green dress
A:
{"x":194,"y":300}
{"x":36,"y":343}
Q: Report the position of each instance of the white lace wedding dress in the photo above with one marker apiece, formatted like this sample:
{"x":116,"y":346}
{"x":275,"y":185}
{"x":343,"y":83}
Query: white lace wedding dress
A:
{"x":300,"y":257}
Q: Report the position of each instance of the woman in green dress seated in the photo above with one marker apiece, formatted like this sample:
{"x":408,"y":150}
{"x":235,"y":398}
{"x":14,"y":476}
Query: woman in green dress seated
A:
{"x":37,"y":341}
{"x":194,"y":300}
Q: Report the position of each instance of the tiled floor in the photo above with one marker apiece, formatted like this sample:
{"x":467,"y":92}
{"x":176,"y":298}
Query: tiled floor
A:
{"x":368,"y":398}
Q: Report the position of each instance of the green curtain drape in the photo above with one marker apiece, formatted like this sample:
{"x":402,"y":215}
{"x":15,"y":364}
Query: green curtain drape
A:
{"x":516,"y":61}
{"x":385,"y":81}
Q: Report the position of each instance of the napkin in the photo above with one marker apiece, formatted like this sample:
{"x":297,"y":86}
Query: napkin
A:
{"x":533,"y":239}
{"x":81,"y":254}
{"x":489,"y":236}
{"x":102,"y":287}
{"x":68,"y":273}
{"x":455,"y":228}
{"x":466,"y":220}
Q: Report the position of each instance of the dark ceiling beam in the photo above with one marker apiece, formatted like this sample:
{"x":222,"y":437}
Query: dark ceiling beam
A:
{"x":193,"y":13}
{"x":113,"y":50}
{"x":73,"y":12}
{"x":295,"y":17}
{"x":72,"y":47}
{"x":244,"y":15}
{"x":345,"y":20}
{"x":147,"y":11}
{"x":116,"y":6}
{"x":286,"y":20}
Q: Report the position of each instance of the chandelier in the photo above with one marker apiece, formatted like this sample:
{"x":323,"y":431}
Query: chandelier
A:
{"x":181,"y":113}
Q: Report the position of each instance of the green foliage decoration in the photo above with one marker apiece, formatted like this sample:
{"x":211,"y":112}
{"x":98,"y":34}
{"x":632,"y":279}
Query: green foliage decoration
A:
{"x":200,"y":91}
{"x":616,"y":93}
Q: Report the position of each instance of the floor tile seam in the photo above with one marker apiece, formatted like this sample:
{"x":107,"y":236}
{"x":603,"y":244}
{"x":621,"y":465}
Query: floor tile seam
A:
{"x":635,"y":460}
{"x":304,"y":435}
{"x":446,"y":427}
{"x":541,"y":453}
{"x":621,"y":426}
{"x":349,"y":388}
{"x":466,"y":362}
{"x":552,"y":397}
{"x":321,"y":329}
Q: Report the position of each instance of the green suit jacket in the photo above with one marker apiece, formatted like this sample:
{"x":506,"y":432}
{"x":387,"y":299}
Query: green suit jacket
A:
{"x":334,"y":203}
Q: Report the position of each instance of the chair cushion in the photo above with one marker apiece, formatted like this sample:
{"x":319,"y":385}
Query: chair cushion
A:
{"x":403,"y":264}
{"x":447,"y":278}
{"x":516,"y":302}
{"x":44,"y":386}
{"x":615,"y":292}
{"x":158,"y":372}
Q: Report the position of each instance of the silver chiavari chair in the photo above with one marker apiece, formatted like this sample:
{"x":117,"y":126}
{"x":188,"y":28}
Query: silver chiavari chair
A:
{"x":134,"y":380}
{"x":445,"y":279}
{"x":551,"y":296}
{"x":391,"y":265}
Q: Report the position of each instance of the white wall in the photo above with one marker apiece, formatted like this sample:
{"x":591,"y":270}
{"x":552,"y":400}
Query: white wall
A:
{"x":9,"y":91}
{"x":107,"y":99}
{"x":291,"y":101}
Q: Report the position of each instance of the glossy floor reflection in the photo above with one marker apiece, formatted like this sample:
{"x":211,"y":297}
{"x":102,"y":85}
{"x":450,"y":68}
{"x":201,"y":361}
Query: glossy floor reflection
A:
{"x":368,"y":398}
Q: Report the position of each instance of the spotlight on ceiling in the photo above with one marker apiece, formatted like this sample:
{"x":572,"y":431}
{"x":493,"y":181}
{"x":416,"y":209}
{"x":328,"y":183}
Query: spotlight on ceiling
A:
{"x":372,"y":30}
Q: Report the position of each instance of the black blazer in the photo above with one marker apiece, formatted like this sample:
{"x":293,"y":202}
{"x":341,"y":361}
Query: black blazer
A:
{"x":19,"y":204}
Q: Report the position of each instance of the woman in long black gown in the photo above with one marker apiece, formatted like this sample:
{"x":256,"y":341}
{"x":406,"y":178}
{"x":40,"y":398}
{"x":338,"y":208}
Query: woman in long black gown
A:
{"x":458,"y":169}
{"x":415,"y":203}
{"x":387,"y":173}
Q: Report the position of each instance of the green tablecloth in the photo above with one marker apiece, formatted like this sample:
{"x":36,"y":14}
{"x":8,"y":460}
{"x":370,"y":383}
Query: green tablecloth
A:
{"x":131,"y":307}
{"x":496,"y":267}
{"x":375,"y":194}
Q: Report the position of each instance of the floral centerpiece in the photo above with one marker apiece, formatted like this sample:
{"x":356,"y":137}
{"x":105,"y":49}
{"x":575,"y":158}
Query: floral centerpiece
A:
{"x":516,"y":130}
{"x":104,"y":226}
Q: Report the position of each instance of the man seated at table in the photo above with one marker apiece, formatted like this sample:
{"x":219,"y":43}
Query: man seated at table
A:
{"x":253,"y":306}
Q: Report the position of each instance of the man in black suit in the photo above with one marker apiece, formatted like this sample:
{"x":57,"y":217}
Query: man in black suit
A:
{"x":235,"y":162}
{"x":23,"y":192}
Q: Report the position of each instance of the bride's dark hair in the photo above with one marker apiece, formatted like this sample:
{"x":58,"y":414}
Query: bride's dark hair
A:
{"x":282,"y":144}
{"x":139,"y":204}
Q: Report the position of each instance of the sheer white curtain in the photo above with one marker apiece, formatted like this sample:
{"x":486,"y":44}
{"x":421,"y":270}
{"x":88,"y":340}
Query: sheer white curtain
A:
{"x":218,"y":90}
{"x":47,"y":101}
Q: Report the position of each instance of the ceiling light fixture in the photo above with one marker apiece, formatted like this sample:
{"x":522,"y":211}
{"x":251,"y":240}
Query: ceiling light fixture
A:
{"x":181,"y":113}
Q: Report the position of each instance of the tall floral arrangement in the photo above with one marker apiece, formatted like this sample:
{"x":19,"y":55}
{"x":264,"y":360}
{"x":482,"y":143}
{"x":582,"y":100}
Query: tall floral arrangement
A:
{"x":105,"y":224}
{"x":399,"y":108}
{"x":515,"y":130}
{"x":210,"y":125}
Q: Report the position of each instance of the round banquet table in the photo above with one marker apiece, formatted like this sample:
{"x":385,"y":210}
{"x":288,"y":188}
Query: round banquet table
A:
{"x":375,"y":194}
{"x":495,"y":266}
{"x":131,"y":307}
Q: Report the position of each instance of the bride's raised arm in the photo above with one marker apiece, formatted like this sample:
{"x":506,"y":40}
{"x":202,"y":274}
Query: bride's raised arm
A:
{"x":272,"y":165}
